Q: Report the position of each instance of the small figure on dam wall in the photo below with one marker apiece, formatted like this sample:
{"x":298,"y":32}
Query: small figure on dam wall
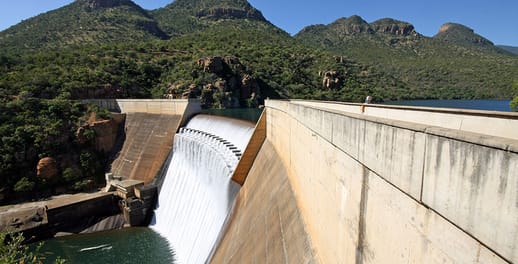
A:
{"x":368,"y":100}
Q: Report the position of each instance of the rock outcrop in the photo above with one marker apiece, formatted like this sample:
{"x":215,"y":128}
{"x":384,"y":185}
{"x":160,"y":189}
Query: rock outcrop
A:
{"x":230,"y":13}
{"x":101,"y":133}
{"x":94,"y":4}
{"x":212,"y":64}
{"x":47,"y":168}
{"x":332,"y":80}
{"x":394,"y":27}
{"x":221,"y":82}
{"x":352,"y":25}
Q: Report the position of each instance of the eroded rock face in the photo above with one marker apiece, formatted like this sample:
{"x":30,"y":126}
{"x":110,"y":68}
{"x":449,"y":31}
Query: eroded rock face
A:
{"x":394,"y":27}
{"x":47,"y":168}
{"x":332,"y":80}
{"x":226,"y":83}
{"x":230,"y":13}
{"x":104,"y":3}
{"x":212,"y":64}
{"x":104,"y":132}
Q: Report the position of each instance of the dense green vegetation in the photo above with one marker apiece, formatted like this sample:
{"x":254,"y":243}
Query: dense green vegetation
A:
{"x":33,"y":128}
{"x":82,"y":22}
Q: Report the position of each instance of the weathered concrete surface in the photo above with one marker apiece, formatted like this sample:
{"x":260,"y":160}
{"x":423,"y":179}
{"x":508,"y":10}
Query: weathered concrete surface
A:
{"x":76,"y":213}
{"x":149,"y":139}
{"x":476,"y":187}
{"x":503,"y":124}
{"x":401,"y":230}
{"x":267,"y":226}
{"x":373,"y":190}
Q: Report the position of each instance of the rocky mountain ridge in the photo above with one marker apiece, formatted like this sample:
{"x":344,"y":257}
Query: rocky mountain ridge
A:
{"x":461,"y":35}
{"x":96,"y":4}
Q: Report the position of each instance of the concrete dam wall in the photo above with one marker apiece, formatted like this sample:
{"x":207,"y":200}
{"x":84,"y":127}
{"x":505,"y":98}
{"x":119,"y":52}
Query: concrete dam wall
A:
{"x":149,"y":133}
{"x":338,"y":183}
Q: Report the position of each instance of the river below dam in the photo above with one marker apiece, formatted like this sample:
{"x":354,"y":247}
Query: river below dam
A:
{"x":125,"y":246}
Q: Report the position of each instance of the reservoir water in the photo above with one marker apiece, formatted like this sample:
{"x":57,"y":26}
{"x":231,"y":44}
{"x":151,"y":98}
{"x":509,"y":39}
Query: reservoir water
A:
{"x":490,"y":105}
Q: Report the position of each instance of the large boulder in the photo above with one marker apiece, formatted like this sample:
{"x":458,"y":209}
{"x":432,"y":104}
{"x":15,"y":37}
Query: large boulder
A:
{"x":47,"y":168}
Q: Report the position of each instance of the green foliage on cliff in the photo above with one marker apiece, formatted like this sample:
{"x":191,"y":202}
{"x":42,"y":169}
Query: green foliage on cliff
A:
{"x":12,"y":250}
{"x":33,"y":128}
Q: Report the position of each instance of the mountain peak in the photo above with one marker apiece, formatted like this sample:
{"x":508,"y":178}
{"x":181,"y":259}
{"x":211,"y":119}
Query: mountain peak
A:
{"x":218,"y":9}
{"x":460,"y":34}
{"x":351,"y":25}
{"x":392,"y":26}
{"x":95,"y":4}
{"x":187,"y":16}
{"x":83,"y":22}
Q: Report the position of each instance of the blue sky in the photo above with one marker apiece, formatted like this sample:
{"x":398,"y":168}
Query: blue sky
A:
{"x":496,"y":20}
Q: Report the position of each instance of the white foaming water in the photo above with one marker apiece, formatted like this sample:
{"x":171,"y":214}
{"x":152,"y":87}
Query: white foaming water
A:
{"x":241,"y":131}
{"x":198,"y":194}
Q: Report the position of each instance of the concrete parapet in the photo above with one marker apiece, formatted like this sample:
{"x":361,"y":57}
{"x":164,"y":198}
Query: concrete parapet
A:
{"x":378,"y":190}
{"x":503,"y":124}
{"x":150,"y":106}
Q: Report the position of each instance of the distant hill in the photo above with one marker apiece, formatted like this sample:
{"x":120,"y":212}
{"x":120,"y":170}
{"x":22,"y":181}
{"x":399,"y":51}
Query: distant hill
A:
{"x":456,"y":63}
{"x":83,"y":22}
{"x":186,"y":16}
{"x":511,"y":49}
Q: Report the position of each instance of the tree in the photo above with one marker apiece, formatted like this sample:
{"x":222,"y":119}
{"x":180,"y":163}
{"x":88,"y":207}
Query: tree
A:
{"x":12,"y":250}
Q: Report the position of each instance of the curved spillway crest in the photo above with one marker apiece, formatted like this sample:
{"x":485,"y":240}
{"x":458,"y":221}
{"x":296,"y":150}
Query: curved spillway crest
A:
{"x":198,"y":194}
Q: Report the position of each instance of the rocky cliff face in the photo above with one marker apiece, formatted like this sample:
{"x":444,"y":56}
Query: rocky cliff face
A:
{"x":101,"y":133}
{"x":352,"y":25}
{"x":222,"y":82}
{"x":95,"y":4}
{"x":355,"y":26}
{"x":394,"y":27}
{"x":230,"y":13}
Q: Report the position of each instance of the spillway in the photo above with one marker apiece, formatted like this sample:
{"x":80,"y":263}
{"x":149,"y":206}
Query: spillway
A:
{"x":198,"y":194}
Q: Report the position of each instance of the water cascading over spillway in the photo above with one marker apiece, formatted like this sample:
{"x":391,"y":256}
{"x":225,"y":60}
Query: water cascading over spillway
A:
{"x":197,"y":194}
